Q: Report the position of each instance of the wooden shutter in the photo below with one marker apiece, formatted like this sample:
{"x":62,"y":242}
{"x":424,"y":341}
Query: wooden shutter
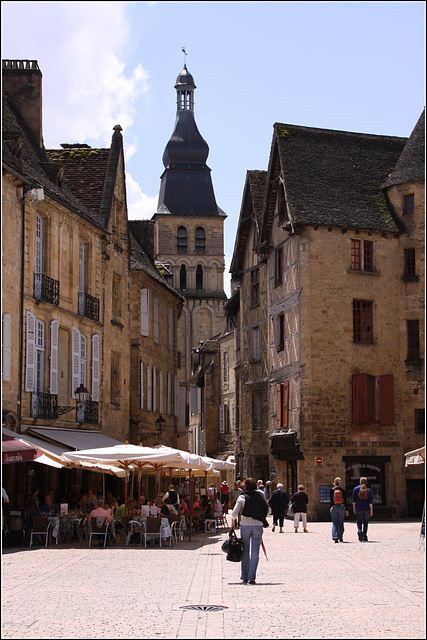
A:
{"x":386,"y":399}
{"x":170,"y":328}
{"x":279,"y":406}
{"x":81,"y":266}
{"x":141,"y":367}
{"x":30,"y":353}
{"x":7,"y":338}
{"x":149,"y":389}
{"x":176,"y":401}
{"x":76,"y":361}
{"x":161,"y":391}
{"x":95,"y":368}
{"x":169,"y":392}
{"x":221,"y":418}
{"x":145,"y":311}
{"x":156,"y":320}
{"x":360,"y":398}
{"x":39,"y":244}
{"x":83,"y":359}
{"x":154,"y":389}
{"x":285,"y":405}
{"x":53,"y":385}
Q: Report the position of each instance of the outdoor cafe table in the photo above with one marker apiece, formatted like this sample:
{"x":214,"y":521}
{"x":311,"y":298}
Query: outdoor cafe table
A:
{"x":165,"y":532}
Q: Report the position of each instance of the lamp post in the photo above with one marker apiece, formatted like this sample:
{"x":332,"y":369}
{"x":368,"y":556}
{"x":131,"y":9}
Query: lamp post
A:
{"x":160,"y":424}
{"x":81,"y":394}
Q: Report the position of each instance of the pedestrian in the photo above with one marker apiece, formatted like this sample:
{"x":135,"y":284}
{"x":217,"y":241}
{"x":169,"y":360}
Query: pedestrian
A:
{"x":363,"y":508}
{"x":279,"y":504}
{"x":225,"y":495}
{"x":253,"y":509}
{"x":262,"y":489}
{"x":299,"y":503}
{"x":211,"y":490}
{"x":338,"y":510}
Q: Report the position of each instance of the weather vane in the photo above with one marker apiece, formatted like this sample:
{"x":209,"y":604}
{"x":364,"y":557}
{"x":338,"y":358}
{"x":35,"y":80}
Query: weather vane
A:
{"x":184,"y":51}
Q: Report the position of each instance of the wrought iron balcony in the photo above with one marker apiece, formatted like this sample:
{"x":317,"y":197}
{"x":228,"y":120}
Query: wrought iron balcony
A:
{"x":88,"y":306}
{"x":46,"y":288}
{"x":44,"y":405}
{"x":87,"y":412}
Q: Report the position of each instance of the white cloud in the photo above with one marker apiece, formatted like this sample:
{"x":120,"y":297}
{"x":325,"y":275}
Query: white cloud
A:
{"x":140,"y":206}
{"x":87,"y":88}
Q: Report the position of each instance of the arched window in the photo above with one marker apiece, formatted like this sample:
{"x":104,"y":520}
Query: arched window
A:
{"x":199,"y":278}
{"x":183,"y":277}
{"x":200,"y":240}
{"x":181,"y":240}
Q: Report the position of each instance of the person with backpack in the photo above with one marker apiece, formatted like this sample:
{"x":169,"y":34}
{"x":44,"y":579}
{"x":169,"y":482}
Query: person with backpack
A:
{"x":338,"y":510}
{"x":253,"y":508}
{"x":363,"y":508}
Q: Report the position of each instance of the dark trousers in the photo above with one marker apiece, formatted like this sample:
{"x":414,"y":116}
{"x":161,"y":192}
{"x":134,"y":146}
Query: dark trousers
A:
{"x":278,"y":516}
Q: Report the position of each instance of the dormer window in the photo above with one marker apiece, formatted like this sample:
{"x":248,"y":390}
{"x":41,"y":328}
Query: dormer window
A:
{"x":408,"y":204}
{"x":200,"y":240}
{"x":181,"y":242}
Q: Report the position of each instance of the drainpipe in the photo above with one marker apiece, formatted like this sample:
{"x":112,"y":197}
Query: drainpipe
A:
{"x":21,"y":311}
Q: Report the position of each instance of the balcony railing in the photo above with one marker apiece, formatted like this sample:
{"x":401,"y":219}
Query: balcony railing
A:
{"x":87,"y":412}
{"x":46,"y":288}
{"x":88,"y":306}
{"x":44,"y":405}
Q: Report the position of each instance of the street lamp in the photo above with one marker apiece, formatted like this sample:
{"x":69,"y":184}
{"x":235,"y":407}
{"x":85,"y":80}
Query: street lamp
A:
{"x":81,"y":394}
{"x":160,"y":424}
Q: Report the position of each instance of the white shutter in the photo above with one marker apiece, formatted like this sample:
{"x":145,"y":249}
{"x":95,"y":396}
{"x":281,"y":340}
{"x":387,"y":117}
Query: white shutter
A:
{"x":161,"y":391}
{"x":81,"y":266}
{"x":182,"y":401}
{"x":141,"y":366}
{"x":95,"y":368}
{"x":170,"y":328}
{"x":53,"y":357}
{"x":149,"y":389}
{"x":154,"y":389}
{"x":7,"y":338}
{"x":169,"y":392}
{"x":83,"y":359}
{"x":156,"y":320}
{"x":176,"y":409}
{"x":76,"y":361}
{"x":145,"y":311}
{"x":30,"y":353}
{"x":221,"y":418}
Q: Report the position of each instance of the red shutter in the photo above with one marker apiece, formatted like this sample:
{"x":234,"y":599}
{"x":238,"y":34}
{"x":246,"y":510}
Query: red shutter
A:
{"x":386,"y":399}
{"x":360,"y":398}
{"x":285,"y":405}
{"x":279,"y":406}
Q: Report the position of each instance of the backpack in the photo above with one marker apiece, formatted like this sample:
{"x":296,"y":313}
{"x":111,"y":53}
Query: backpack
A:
{"x":338,"y":496}
{"x":234,"y":548}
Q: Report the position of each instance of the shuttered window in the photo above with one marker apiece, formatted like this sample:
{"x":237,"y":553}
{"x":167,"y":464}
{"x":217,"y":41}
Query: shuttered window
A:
{"x":30,"y":357}
{"x":53,"y":385}
{"x":95,"y":368}
{"x":76,"y":347}
{"x":83,"y":359}
{"x":149,"y":389}
{"x":283,"y":405}
{"x":141,"y":367}
{"x":366,"y":391}
{"x":170,"y":328}
{"x":145,"y":311}
{"x":6,"y":347}
{"x":169,"y":395}
{"x":115,"y":391}
{"x":161,"y":391}
{"x":156,"y":320}
{"x":222,"y":418}
{"x":154,"y":389}
{"x":39,"y":244}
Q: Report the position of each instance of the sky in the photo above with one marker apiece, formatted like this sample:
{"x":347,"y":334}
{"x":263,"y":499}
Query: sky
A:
{"x":352,"y":66}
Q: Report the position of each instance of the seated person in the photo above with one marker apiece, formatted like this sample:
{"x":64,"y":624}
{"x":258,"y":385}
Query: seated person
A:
{"x":217,"y":507}
{"x":120,"y":513}
{"x":196,"y":506}
{"x":88,"y":502}
{"x":49,"y":507}
{"x":185,"y":506}
{"x":101,"y":511}
{"x":168,"y":508}
{"x":141,"y":502}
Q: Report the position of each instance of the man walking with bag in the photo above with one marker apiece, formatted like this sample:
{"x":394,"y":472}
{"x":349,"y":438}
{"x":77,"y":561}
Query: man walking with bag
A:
{"x":253,"y":509}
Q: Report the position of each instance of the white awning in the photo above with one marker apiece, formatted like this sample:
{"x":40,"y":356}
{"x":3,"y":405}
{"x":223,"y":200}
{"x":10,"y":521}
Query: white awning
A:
{"x":415,"y":457}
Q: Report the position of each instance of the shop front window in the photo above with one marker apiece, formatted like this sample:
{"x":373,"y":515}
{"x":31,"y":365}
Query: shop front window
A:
{"x":375,"y":474}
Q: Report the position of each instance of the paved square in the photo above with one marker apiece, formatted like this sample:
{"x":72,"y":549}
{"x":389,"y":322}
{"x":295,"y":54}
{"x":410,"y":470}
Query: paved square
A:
{"x":308,"y":588}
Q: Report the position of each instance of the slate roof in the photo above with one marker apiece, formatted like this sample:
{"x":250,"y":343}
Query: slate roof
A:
{"x":22,"y":154}
{"x":336,"y":178}
{"x":411,"y":165}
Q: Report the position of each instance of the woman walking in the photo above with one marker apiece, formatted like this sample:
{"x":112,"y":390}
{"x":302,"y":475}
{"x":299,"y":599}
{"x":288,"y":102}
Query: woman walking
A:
{"x":253,"y":508}
{"x":279,"y":505}
{"x":363,"y":508}
{"x":338,"y":501}
{"x":299,"y":503}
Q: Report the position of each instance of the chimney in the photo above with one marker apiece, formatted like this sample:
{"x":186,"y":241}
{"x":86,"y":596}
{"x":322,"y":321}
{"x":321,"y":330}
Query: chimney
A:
{"x":22,"y":84}
{"x":143,"y":230}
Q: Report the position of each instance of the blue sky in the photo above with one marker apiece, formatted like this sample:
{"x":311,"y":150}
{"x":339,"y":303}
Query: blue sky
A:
{"x":350,"y":66}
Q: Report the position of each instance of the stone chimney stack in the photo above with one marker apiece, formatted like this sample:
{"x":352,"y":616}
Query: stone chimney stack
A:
{"x":143,"y":230}
{"x":22,"y":84}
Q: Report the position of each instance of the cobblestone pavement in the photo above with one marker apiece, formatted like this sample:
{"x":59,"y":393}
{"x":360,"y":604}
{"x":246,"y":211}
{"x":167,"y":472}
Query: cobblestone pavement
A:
{"x":309,"y":588}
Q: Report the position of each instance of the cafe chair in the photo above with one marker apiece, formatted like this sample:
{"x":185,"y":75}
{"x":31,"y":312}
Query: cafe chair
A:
{"x":177,"y":527}
{"x":222,"y":520}
{"x":98,"y":527}
{"x":40,"y":527}
{"x":153,"y":530}
{"x":135,"y":529}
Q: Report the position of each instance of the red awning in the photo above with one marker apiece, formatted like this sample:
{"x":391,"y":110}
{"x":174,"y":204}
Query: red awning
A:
{"x":14,"y":450}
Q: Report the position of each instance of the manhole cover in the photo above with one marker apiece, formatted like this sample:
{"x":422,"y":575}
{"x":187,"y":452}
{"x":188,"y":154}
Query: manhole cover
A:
{"x":204,"y":607}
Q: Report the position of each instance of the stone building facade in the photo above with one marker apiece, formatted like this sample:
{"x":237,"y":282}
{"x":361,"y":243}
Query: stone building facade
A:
{"x":345,"y":308}
{"x":189,"y":240}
